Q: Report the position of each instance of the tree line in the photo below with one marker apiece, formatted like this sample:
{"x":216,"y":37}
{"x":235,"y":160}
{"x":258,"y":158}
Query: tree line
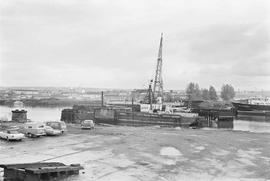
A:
{"x":194,"y":92}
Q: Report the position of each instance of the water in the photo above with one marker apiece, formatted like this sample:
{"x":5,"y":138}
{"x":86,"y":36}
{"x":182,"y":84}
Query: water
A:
{"x":259,"y":124}
{"x":34,"y":113}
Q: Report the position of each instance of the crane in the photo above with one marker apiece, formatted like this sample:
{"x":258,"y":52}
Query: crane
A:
{"x":155,"y":90}
{"x":158,"y":81}
{"x":154,"y":93}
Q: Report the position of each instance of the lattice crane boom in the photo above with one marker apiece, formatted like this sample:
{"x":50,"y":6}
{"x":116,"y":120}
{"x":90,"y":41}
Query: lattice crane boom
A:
{"x":158,"y":81}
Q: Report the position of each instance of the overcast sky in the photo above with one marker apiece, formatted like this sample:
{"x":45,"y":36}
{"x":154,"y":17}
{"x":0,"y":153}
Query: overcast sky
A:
{"x":114,"y":43}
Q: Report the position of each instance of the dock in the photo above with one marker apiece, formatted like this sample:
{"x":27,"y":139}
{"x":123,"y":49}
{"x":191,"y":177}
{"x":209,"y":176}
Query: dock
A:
{"x":220,"y":118}
{"x":125,"y":117}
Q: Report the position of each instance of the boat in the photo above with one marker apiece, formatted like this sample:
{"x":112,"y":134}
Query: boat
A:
{"x":252,"y":104}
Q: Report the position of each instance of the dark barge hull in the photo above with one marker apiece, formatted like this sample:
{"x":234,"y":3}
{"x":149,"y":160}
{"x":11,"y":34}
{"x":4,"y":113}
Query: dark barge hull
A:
{"x":253,"y":113}
{"x":250,"y":107}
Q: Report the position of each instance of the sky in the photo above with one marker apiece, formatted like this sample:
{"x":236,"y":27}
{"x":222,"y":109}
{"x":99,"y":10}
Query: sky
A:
{"x":114,"y":43}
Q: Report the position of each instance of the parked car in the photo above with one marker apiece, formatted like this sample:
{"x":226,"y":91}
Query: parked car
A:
{"x":34,"y":129}
{"x":57,"y":125}
{"x":52,"y":132}
{"x":11,"y":134}
{"x":87,"y":124}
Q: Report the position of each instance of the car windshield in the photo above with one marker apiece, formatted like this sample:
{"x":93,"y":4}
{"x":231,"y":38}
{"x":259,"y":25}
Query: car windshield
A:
{"x":12,"y":132}
{"x":54,"y":125}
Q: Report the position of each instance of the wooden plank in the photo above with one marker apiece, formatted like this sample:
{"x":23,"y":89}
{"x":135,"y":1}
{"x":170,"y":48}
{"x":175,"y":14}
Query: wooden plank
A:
{"x":224,"y":117}
{"x":31,"y":165}
{"x":151,"y":121}
{"x":53,"y":169}
{"x":137,"y":122}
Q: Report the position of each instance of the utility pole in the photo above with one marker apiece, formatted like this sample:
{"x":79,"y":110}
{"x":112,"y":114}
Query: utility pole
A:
{"x":102,"y":99}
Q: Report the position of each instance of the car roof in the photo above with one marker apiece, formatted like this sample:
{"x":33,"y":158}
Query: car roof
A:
{"x":31,"y":123}
{"x":12,"y":129}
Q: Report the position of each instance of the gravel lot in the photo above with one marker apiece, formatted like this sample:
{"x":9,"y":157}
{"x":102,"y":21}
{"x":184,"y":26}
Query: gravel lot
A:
{"x":150,"y":153}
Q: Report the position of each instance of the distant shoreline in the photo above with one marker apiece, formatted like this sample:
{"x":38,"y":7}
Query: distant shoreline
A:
{"x":48,"y":102}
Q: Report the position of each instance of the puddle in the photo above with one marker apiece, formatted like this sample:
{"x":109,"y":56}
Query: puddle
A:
{"x":197,"y":148}
{"x":200,"y":148}
{"x":159,"y":159}
{"x":170,"y":151}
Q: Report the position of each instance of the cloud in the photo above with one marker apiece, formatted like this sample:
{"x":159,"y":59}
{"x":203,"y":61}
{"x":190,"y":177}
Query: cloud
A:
{"x":253,"y":67}
{"x":232,"y":52}
{"x":230,"y":43}
{"x":103,"y":43}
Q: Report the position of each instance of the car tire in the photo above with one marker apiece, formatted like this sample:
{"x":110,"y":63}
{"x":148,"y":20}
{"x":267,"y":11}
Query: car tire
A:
{"x":29,"y":135}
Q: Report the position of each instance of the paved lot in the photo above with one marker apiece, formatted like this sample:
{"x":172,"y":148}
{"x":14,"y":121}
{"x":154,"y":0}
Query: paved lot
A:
{"x":150,"y":153}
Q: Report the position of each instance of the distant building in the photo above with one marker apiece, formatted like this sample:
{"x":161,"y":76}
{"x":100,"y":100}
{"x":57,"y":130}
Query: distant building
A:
{"x":18,"y":104}
{"x":139,"y":94}
{"x":26,"y":92}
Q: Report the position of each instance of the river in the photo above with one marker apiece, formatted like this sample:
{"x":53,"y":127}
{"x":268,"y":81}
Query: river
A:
{"x":259,"y":124}
{"x":34,"y":113}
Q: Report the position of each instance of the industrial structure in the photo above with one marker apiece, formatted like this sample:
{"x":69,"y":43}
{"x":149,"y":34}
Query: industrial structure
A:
{"x":158,"y":81}
{"x":155,"y":88}
{"x":19,"y":116}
